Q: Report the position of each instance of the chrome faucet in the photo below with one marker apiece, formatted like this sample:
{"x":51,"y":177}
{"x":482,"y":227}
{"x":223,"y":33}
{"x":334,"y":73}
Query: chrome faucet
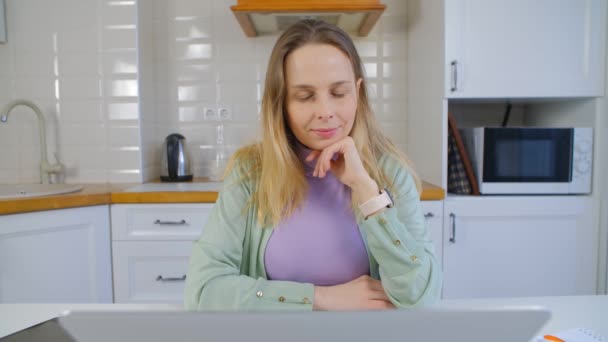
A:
{"x":45,"y":167}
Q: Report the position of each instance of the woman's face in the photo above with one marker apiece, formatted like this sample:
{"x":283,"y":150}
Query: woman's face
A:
{"x":321,"y":94}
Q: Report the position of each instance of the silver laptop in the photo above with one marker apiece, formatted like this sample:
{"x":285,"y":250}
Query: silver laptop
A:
{"x":508,"y":324}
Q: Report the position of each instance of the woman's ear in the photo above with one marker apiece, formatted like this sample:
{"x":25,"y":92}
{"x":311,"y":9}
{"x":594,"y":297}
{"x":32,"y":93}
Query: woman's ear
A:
{"x":359,"y":86}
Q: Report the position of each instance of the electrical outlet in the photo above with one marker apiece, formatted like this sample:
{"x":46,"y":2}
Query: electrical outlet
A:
{"x":224,"y":114}
{"x":209,"y":114}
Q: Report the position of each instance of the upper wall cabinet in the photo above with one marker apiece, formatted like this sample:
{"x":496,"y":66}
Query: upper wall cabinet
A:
{"x":523,"y":48}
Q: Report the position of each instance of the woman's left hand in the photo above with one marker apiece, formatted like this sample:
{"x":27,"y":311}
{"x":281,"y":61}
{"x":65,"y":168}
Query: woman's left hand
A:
{"x":347,"y":167}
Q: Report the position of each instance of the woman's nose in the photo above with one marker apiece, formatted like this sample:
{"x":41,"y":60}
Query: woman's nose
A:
{"x":324,"y":110}
{"x":323,"y":116}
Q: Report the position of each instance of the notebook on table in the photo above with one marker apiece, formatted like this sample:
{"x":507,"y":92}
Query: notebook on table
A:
{"x":501,"y":324}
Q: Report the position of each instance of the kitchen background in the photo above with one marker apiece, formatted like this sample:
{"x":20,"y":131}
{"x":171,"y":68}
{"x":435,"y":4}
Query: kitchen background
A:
{"x":113,"y":78}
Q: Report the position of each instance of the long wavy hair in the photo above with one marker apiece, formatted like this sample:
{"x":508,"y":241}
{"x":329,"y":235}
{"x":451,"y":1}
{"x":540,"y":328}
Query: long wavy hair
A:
{"x":272,"y":163}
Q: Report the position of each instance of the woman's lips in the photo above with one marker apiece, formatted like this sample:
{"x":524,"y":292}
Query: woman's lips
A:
{"x":325,"y":133}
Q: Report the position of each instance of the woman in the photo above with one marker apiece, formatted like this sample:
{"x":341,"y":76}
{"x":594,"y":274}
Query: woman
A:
{"x":305,"y":219}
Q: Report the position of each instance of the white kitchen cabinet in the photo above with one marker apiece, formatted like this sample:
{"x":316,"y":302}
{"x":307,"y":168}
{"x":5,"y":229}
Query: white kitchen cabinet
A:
{"x":150,"y":271}
{"x":151,"y":247}
{"x":164,"y":222}
{"x":433,"y":213}
{"x":56,"y":256}
{"x":522,"y":48}
{"x":518,"y":246}
{"x":517,"y":51}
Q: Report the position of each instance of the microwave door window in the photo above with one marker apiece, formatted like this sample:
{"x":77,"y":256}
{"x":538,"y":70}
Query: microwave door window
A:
{"x":528,"y":155}
{"x":525,"y":159}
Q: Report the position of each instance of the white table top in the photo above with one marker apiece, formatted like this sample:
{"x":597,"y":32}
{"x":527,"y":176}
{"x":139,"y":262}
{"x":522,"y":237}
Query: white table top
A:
{"x":568,"y":312}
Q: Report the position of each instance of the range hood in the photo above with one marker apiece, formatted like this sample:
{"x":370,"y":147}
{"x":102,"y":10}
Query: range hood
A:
{"x":259,"y":17}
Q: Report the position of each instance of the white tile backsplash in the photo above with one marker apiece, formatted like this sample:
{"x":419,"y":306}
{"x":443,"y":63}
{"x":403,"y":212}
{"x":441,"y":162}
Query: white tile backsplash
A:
{"x":126,"y":137}
{"x":192,"y":91}
{"x":7,"y":63}
{"x":82,"y":134}
{"x":26,"y":39}
{"x":119,"y":62}
{"x":7,"y":88}
{"x":84,"y":39}
{"x":85,"y":157}
{"x":10,"y":157}
{"x":121,"y":88}
{"x":115,"y":77}
{"x":78,"y":64}
{"x":35,"y":64}
{"x":35,"y":88}
{"x":118,"y":38}
{"x":79,"y":88}
{"x":122,"y":111}
{"x":9,"y":175}
{"x":90,"y":111}
{"x":69,"y":57}
{"x":30,"y":158}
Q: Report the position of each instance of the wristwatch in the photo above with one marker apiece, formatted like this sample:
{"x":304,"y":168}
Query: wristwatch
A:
{"x":383,"y":200}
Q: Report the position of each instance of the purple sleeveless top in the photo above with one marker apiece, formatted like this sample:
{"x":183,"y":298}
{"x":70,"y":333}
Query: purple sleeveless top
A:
{"x":320,"y":243}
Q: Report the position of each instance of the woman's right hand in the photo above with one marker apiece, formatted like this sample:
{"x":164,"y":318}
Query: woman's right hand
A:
{"x":363,"y":293}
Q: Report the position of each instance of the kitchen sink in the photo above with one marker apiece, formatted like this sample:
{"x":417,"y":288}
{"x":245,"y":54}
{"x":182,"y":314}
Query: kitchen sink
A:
{"x":8,"y":191}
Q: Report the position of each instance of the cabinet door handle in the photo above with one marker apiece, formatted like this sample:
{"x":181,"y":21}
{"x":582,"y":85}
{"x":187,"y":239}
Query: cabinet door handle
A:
{"x":161,"y":278}
{"x":170,"y":223}
{"x":454,"y":74}
{"x":428,"y":215}
{"x":453,"y":236}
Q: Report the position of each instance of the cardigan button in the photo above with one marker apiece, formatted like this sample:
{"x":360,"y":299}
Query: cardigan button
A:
{"x":259,"y":294}
{"x":281,"y":299}
{"x":306,"y":300}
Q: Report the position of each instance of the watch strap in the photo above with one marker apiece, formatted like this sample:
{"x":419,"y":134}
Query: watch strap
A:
{"x":383,"y":200}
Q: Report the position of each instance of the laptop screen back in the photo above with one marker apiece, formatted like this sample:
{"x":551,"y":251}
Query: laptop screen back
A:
{"x":497,"y":325}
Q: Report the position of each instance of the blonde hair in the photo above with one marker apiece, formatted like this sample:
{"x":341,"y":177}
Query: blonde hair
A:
{"x":273,"y":163}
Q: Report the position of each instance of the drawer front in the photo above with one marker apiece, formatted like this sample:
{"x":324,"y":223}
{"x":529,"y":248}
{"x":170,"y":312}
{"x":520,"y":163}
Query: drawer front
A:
{"x":159,"y":222}
{"x":150,"y":271}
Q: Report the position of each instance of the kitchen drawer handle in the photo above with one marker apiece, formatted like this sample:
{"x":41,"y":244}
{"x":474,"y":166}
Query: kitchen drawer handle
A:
{"x":161,"y":278}
{"x":454,"y":78}
{"x":170,"y":223}
{"x":428,"y":215}
{"x":453,"y":237}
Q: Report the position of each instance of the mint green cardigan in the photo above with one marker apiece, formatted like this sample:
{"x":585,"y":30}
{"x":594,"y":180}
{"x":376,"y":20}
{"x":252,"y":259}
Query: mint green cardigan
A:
{"x":227,"y":272}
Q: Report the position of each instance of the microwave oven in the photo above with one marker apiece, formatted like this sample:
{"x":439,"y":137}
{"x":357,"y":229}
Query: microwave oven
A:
{"x":531,"y":160}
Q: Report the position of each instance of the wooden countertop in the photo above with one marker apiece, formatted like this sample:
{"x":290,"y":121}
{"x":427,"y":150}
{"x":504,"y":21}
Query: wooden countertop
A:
{"x":99,"y":194}
{"x":431,"y":192}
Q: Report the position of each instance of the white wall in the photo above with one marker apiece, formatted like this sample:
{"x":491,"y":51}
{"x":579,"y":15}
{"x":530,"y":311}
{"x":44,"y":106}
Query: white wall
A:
{"x":109,"y":106}
{"x":77,"y":60}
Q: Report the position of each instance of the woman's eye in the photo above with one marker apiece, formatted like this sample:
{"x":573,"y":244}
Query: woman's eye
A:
{"x":338,"y":95}
{"x":304,"y":98}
